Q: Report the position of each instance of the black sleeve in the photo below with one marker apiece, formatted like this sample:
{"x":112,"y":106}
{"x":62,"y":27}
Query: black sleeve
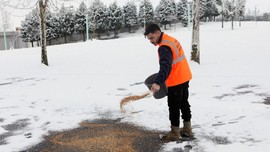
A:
{"x":165,"y":64}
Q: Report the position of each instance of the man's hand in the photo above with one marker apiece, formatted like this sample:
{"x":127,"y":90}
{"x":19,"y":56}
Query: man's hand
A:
{"x":155,"y":87}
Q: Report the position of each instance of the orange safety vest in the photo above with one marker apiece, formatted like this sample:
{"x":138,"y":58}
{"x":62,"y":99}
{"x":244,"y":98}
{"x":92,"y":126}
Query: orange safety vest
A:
{"x":180,"y":72}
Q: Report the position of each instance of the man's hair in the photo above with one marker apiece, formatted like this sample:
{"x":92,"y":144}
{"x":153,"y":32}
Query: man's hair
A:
{"x":152,"y":28}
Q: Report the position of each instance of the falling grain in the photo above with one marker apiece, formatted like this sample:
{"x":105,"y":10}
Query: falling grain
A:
{"x":129,"y":99}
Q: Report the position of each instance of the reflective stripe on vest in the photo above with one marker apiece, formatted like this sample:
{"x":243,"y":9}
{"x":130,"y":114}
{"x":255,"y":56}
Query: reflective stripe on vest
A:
{"x":179,"y":58}
{"x":171,"y":44}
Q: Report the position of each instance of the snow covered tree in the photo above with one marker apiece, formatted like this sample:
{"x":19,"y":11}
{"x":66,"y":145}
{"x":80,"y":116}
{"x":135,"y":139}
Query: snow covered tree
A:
{"x":165,"y":12}
{"x":210,"y":9}
{"x":182,"y":12}
{"x":233,"y":7}
{"x":218,"y":4}
{"x":80,"y":21}
{"x":203,"y":8}
{"x":99,"y":17}
{"x":66,"y":18}
{"x":241,"y":10}
{"x":146,"y":13}
{"x":130,"y":15}
{"x":30,"y":31}
{"x":52,"y":26}
{"x":220,"y":9}
{"x":174,"y":18}
{"x":173,"y":7}
{"x":49,"y":26}
{"x":115,"y":18}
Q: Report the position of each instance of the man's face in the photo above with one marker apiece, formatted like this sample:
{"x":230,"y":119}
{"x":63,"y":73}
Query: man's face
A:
{"x":154,"y":37}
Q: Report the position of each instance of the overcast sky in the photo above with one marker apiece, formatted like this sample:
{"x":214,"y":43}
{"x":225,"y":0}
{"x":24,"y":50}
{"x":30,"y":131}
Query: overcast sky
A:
{"x":17,"y":15}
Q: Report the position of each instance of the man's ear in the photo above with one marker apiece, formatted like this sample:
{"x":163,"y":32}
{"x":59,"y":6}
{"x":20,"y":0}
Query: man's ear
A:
{"x":158,"y":32}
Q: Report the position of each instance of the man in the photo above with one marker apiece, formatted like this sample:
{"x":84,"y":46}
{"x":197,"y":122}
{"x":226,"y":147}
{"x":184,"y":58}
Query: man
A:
{"x":175,"y":72}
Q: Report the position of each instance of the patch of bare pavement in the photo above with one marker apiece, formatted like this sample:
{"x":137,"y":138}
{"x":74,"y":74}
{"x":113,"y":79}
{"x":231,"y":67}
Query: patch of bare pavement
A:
{"x":101,"y":136}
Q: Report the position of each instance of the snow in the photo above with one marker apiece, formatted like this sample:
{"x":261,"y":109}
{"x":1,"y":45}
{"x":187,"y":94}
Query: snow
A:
{"x":87,"y":80}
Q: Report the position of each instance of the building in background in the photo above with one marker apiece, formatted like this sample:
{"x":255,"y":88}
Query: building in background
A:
{"x":13,"y":40}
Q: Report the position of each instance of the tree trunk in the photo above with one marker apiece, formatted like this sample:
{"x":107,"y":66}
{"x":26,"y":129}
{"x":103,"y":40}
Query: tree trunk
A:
{"x":84,"y":37}
{"x":195,"y":53}
{"x":115,"y":33}
{"x":42,"y":8}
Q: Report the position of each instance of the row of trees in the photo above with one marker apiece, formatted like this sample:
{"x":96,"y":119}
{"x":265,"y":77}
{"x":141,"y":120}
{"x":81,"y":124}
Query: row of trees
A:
{"x":111,"y":19}
{"x":103,"y":19}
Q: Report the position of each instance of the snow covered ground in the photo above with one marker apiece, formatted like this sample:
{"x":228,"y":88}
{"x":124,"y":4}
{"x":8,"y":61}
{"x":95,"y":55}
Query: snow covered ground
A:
{"x":229,"y":93}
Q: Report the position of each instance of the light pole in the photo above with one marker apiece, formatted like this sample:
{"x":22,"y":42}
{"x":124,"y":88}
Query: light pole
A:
{"x":4,"y":28}
{"x":86,"y":22}
{"x":87,"y":30}
{"x":5,"y":39}
{"x":222,"y":14}
{"x":2,"y":6}
{"x":255,"y":14}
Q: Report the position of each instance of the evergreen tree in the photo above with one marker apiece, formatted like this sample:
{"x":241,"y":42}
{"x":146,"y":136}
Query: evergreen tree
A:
{"x":66,"y":22}
{"x":115,"y":18}
{"x":218,"y":5}
{"x":99,"y":17}
{"x":52,"y":26}
{"x":173,"y":8}
{"x":165,"y":12}
{"x":80,"y":20}
{"x":216,"y":11}
{"x":211,"y":9}
{"x":182,"y":12}
{"x":30,"y":31}
{"x":202,"y":8}
{"x":146,"y":13}
{"x":130,"y":15}
{"x":241,"y":10}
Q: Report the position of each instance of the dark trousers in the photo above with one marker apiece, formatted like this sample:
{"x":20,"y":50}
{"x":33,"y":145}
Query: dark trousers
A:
{"x":178,"y":100}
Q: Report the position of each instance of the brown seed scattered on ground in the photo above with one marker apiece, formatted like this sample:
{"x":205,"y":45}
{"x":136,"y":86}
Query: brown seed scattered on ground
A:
{"x":101,"y":136}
